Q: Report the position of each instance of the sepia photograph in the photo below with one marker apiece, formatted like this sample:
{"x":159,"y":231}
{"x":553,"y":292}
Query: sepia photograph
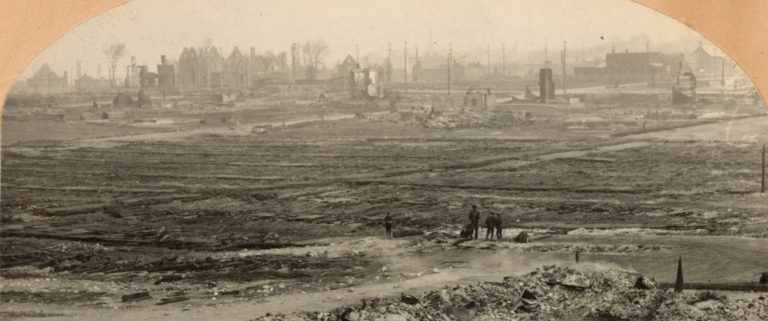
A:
{"x":359,"y":160}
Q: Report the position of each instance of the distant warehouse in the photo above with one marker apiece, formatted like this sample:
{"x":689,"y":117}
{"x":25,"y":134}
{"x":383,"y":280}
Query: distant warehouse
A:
{"x":635,"y":64}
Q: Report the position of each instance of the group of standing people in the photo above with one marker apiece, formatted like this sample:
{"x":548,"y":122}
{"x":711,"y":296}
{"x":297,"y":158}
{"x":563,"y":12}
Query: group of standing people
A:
{"x":492,"y":223}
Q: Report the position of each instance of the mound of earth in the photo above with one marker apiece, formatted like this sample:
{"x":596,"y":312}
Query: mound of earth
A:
{"x":550,"y":293}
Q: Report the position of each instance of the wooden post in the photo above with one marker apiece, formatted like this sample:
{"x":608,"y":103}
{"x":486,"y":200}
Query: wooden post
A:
{"x":565,"y":91}
{"x":405,"y":65}
{"x":762,"y":170}
{"x":503,"y":60}
{"x":490,"y":70}
{"x":577,"y":256}
{"x":450,"y":61}
{"x":679,"y":279}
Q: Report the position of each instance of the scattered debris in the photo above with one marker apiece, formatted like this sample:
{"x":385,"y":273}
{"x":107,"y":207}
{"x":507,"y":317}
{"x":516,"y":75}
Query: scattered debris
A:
{"x":599,"y":295}
{"x":523,"y":237}
{"x":139,"y":296}
{"x":172,"y":299}
{"x":169,"y":278}
{"x":408,"y":299}
{"x":644,"y":283}
{"x":407,"y":232}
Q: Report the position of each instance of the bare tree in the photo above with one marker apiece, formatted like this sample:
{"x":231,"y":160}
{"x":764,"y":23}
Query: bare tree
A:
{"x":313,"y":53}
{"x":114,"y":53}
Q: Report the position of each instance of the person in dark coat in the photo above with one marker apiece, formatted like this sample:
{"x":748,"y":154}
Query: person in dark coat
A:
{"x":474,"y":219}
{"x":388,"y":224}
{"x":490,"y":225}
{"x":499,"y":224}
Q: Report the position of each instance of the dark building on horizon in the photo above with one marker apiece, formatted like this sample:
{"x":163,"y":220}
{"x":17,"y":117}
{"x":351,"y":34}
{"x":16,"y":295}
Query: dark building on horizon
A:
{"x":434,"y":69}
{"x":635,"y":64}
{"x":703,"y":64}
{"x":165,"y":77}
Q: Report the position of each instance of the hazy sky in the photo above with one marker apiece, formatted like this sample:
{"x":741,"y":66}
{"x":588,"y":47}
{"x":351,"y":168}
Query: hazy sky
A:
{"x":150,"y":28}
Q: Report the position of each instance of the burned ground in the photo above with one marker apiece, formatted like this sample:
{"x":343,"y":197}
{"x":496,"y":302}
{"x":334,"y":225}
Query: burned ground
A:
{"x":255,"y":211}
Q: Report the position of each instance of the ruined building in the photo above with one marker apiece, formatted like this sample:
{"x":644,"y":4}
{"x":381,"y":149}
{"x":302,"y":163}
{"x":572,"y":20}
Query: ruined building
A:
{"x":142,"y":77}
{"x":166,"y":73}
{"x":704,"y":64}
{"x":207,"y":68}
{"x":345,"y":67}
{"x":133,"y":74}
{"x":47,"y":82}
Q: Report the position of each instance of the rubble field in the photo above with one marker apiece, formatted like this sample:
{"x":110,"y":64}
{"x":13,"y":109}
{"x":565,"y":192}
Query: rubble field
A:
{"x":552,"y":293}
{"x":248,"y":214}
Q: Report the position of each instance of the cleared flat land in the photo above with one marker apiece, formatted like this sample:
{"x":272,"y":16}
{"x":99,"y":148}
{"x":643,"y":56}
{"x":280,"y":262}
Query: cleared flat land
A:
{"x":230,"y":216}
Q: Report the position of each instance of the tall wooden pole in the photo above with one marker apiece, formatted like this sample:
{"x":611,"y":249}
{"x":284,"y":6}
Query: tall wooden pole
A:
{"x":449,"y":63}
{"x":762,"y":170}
{"x":503,"y":59}
{"x":722,"y":74}
{"x":293,"y":66}
{"x":415,"y":62}
{"x":565,"y":72}
{"x":405,"y":64}
{"x":490,"y":71}
{"x":389,"y":63}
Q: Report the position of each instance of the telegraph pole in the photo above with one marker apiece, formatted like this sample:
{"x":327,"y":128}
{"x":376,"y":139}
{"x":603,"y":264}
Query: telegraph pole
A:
{"x":722,"y":74}
{"x":405,"y":64}
{"x":503,"y":59}
{"x":357,"y":53}
{"x":415,"y":62}
{"x":565,"y":91}
{"x":450,"y":60}
{"x":293,"y":66}
{"x":488,"y":52}
{"x":389,"y":62}
{"x":762,"y":170}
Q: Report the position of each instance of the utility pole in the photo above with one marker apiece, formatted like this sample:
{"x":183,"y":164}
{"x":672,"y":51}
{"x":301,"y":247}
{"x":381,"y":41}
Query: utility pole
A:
{"x":565,"y":72}
{"x":415,"y":62}
{"x":546,"y":53}
{"x":488,"y":52}
{"x":79,"y":75}
{"x":389,"y":62}
{"x":293,"y":66}
{"x":357,"y":53}
{"x":722,"y":73}
{"x":450,"y":61}
{"x":405,"y":64}
{"x":503,"y":59}
{"x":762,"y":170}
